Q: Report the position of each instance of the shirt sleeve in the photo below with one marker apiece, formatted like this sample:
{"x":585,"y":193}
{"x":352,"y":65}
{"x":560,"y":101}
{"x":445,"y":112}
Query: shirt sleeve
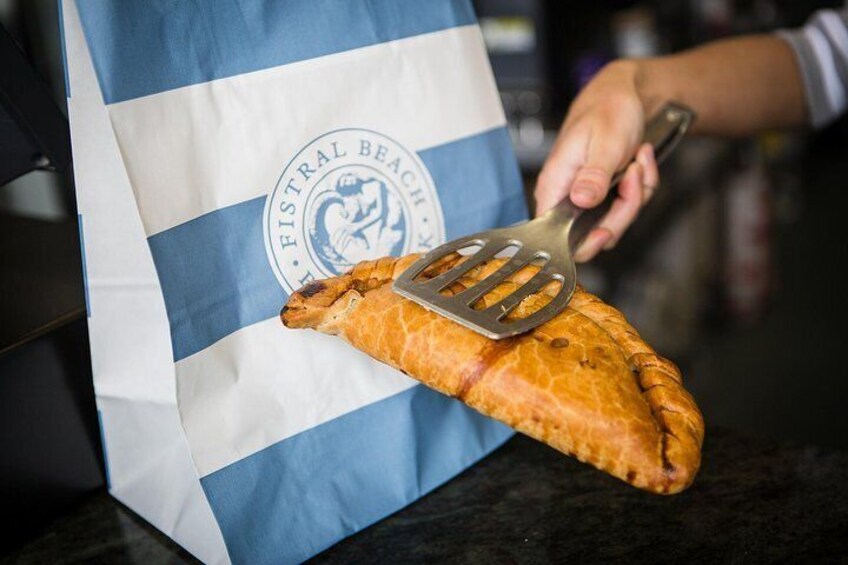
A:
{"x":821,"y":49}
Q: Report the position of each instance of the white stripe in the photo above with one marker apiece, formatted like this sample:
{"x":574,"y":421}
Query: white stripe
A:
{"x":152,"y":473}
{"x":824,"y":57}
{"x":266,"y":383}
{"x":196,"y":149}
{"x":835,"y":28}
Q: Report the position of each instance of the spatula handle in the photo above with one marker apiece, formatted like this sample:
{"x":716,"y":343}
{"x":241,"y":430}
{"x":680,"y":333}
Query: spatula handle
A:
{"x":664,"y":131}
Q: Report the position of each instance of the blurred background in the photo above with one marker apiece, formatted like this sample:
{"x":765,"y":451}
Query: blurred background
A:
{"x":732,"y":271}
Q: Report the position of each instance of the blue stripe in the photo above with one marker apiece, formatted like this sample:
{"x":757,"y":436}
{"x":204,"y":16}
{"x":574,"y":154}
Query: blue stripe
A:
{"x":478,"y":182}
{"x":64,"y":49}
{"x":144,"y":47}
{"x":301,"y":495}
{"x":84,"y":269}
{"x":215,"y":274}
{"x":105,"y":455}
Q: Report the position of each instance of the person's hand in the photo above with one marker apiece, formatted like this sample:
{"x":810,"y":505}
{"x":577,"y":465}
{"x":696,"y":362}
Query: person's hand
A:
{"x":601,"y":133}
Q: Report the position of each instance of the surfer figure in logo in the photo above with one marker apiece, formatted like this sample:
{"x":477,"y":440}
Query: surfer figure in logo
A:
{"x":358,"y":220}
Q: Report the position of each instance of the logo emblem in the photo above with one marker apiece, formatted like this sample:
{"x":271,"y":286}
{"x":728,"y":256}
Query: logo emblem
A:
{"x":350,"y":195}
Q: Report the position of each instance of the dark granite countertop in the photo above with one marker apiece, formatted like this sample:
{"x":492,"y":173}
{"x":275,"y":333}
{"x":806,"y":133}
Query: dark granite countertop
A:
{"x":755,"y":501}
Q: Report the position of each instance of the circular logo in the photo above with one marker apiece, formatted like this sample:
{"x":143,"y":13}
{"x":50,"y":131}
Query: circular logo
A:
{"x":350,"y":195}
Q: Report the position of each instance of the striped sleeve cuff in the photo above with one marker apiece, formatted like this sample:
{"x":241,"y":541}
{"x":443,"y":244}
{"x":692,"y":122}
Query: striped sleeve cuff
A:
{"x":821,"y":49}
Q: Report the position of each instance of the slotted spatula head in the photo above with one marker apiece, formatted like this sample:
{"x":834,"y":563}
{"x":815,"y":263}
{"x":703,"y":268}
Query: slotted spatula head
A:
{"x":548,"y":241}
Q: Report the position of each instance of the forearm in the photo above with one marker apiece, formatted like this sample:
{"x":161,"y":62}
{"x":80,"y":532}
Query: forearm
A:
{"x":737,"y":87}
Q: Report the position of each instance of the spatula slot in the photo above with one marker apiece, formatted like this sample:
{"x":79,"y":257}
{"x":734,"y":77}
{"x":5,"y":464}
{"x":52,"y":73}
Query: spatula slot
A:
{"x":540,"y":260}
{"x":506,"y":317}
{"x":486,"y":253}
{"x":470,"y":249}
{"x":508,"y":252}
{"x":507,"y":279}
{"x":543,"y":287}
{"x":432,"y":266}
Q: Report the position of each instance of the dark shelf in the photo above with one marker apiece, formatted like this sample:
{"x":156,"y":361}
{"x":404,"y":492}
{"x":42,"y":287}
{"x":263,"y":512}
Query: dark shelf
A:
{"x":41,"y":283}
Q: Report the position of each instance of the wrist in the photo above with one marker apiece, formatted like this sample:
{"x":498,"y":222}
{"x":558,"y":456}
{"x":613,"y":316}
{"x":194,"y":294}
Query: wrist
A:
{"x":647,"y":85}
{"x":634,"y":75}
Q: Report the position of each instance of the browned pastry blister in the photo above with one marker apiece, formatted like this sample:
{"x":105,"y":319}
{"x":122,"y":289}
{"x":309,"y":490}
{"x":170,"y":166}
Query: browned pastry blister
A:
{"x":584,"y":383}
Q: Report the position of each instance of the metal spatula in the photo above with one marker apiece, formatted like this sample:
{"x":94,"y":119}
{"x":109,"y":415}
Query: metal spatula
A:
{"x":551,"y":238}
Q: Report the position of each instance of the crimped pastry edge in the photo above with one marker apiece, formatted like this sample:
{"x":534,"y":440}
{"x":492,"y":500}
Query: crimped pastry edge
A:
{"x":678,"y":420}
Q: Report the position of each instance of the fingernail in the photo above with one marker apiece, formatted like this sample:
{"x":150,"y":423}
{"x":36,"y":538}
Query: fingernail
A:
{"x":645,"y":155}
{"x":605,"y":238}
{"x":583,"y":191}
{"x":596,"y":243}
{"x":581,"y":255}
{"x":637,"y":170}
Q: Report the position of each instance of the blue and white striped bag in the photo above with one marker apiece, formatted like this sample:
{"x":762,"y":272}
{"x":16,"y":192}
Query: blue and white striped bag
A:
{"x":268,"y":143}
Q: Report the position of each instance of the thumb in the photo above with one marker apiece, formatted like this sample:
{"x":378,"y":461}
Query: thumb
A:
{"x":592,"y":180}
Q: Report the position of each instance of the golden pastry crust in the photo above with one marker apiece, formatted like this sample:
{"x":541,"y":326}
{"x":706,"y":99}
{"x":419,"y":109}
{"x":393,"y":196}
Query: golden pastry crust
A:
{"x":584,"y":383}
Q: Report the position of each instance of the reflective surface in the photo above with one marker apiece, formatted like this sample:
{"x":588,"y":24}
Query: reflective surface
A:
{"x":754,"y":501}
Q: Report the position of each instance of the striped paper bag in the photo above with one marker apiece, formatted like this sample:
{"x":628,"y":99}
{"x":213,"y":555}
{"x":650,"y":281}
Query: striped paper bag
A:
{"x":268,"y":144}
